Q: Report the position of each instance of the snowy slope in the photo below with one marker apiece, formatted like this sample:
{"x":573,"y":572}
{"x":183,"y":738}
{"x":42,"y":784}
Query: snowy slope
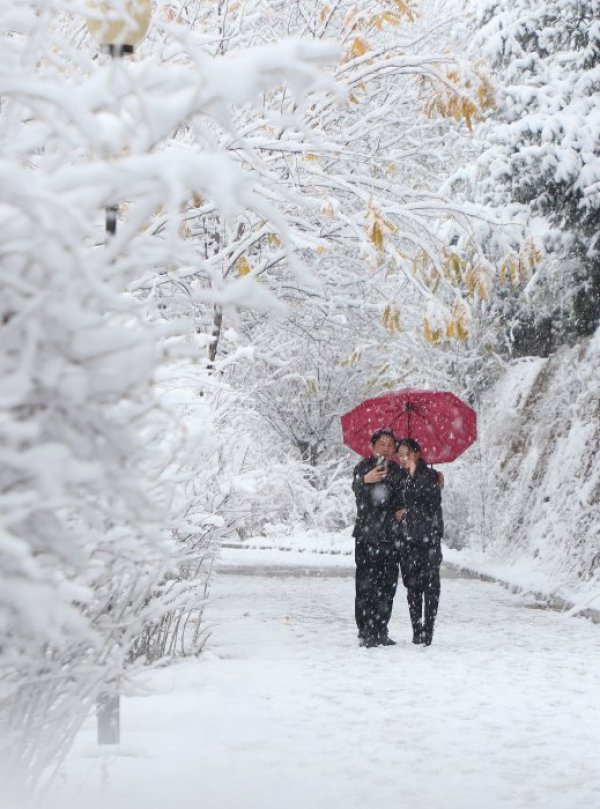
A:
{"x":540,"y":469}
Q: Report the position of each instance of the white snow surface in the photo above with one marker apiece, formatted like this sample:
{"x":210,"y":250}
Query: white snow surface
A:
{"x":283,"y":709}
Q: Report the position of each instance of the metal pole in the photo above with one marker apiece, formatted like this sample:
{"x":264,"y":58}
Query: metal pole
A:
{"x":135,"y":26}
{"x":108,"y":719}
{"x":111,"y":220}
{"x":108,"y":707}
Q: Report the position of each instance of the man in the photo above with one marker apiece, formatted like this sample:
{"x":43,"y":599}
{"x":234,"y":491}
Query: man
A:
{"x":420,"y":549}
{"x":377,"y":485}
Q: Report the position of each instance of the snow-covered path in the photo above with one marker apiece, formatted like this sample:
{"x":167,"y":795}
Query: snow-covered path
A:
{"x":284,"y":711}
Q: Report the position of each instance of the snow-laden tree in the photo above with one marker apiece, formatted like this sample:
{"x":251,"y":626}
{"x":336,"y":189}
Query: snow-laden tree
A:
{"x":541,"y":160}
{"x":365,"y":195}
{"x":367,"y":217}
{"x":108,"y":497}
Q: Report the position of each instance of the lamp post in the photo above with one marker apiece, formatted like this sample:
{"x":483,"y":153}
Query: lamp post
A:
{"x":117,"y":26}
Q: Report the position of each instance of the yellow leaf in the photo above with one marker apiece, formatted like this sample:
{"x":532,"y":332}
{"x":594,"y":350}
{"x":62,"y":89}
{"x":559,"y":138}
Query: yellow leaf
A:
{"x":482,"y":290}
{"x":515,"y":275}
{"x":274,"y":240}
{"x":518,"y":267}
{"x":242,"y":266}
{"x":432,"y":336}
{"x":470,"y":281}
{"x":377,"y":236}
{"x":452,"y":267}
{"x":531,"y":253}
{"x":325,"y":12}
{"x":358,"y":47}
{"x":391,"y":318}
{"x":329,"y":209}
{"x":405,"y":9}
{"x":378,"y":20}
{"x":391,"y":18}
{"x":458,"y":99}
{"x":523,"y":271}
{"x":462,"y":330}
{"x":419,"y":262}
{"x":311,"y":387}
{"x":310,"y":157}
{"x":354,"y":358}
{"x":434,"y":281}
{"x":376,"y":225}
{"x":467,"y":111}
{"x":485,"y":94}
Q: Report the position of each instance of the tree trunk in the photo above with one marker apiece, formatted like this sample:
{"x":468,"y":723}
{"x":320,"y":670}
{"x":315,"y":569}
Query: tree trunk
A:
{"x":216,"y":333}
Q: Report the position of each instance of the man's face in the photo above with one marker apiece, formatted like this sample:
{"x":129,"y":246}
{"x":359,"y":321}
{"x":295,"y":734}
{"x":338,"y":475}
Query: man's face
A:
{"x":385,"y":447}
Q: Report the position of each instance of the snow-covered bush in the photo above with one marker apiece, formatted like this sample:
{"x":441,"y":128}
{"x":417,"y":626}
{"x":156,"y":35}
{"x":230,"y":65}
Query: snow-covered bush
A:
{"x":107,"y":518}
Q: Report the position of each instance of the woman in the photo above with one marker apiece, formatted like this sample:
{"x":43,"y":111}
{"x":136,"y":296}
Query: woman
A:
{"x":420,"y":549}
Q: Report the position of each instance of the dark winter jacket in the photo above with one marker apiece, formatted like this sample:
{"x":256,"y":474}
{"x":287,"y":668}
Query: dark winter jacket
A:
{"x":422,"y":499}
{"x":376,"y":504}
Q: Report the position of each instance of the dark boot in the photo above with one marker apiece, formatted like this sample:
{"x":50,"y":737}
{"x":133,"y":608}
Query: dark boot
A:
{"x":418,"y":633}
{"x":414,"y":596}
{"x":427,"y":637}
{"x":432,"y":599}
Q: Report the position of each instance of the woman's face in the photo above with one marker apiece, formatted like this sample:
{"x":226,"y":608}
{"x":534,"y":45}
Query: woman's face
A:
{"x":385,"y":447}
{"x":407,"y":458}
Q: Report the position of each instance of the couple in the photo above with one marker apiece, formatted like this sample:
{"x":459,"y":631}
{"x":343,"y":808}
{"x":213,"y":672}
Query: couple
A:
{"x":398,"y":526}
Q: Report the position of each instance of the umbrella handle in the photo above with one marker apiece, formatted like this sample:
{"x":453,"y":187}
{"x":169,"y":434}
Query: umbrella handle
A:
{"x":409,"y":409}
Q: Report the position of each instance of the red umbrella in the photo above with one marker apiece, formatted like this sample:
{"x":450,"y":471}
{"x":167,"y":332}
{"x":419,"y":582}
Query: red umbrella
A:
{"x":442,"y":424}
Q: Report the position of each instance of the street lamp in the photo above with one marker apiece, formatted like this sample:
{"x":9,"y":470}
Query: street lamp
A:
{"x":117,"y":26}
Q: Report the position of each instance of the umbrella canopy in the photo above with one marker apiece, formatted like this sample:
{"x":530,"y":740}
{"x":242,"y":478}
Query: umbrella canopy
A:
{"x":443,"y":425}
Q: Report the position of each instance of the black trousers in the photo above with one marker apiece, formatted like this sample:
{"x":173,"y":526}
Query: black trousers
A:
{"x":377,"y":568}
{"x":421,"y":576}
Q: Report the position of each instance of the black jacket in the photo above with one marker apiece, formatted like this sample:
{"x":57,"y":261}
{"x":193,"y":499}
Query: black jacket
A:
{"x":422,"y":499}
{"x":376,"y":503}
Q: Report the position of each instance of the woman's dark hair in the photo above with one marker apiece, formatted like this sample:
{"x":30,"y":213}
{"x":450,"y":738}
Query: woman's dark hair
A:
{"x":410,"y":443}
{"x":381,"y":432}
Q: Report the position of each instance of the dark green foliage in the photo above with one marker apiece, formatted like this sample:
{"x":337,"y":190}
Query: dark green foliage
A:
{"x":544,"y":153}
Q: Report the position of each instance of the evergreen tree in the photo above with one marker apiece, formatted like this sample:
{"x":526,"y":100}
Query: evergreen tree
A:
{"x":543,"y":157}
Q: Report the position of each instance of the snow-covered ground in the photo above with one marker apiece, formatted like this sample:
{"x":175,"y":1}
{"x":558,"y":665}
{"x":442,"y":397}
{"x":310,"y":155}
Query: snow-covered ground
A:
{"x":316,"y":548}
{"x":284,"y":710}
